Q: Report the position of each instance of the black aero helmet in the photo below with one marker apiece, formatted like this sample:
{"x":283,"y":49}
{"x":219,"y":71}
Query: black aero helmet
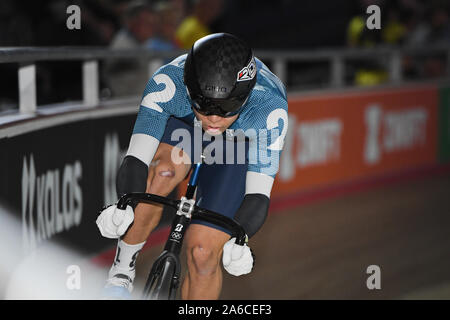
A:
{"x":219,"y":73}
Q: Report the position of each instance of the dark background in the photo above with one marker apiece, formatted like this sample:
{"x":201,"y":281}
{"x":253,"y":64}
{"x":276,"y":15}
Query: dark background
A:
{"x":264,"y":24}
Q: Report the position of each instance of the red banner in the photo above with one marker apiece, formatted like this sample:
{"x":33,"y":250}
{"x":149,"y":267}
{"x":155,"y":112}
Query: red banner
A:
{"x":340,"y":137}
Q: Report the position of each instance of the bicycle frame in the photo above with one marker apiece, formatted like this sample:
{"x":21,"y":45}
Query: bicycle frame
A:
{"x":168,"y":265}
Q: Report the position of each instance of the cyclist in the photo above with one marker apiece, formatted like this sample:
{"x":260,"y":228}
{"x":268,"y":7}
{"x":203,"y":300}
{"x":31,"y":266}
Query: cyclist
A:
{"x":221,"y":88}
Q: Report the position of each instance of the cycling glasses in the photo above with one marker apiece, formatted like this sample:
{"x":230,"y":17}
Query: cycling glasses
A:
{"x":222,"y":108}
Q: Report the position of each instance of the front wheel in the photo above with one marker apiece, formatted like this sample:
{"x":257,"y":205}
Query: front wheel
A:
{"x":162,"y":283}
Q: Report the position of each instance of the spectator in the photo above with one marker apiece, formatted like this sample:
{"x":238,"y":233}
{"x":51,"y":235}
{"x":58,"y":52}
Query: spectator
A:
{"x":439,"y":33}
{"x":167,"y":22}
{"x":431,"y":28}
{"x":358,"y":35}
{"x":394,"y":29}
{"x":139,"y":25}
{"x":196,"y":25}
{"x":392,"y":32}
{"x":417,"y":30}
{"x":439,"y":26}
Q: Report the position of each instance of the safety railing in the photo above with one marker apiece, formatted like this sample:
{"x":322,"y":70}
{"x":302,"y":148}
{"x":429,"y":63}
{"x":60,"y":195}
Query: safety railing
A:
{"x":26,"y":58}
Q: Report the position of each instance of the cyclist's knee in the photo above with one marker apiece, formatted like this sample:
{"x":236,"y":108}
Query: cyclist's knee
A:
{"x":203,"y":260}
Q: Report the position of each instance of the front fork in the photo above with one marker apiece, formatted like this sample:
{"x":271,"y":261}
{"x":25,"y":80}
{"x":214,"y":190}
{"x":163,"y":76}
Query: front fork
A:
{"x":174,"y":244}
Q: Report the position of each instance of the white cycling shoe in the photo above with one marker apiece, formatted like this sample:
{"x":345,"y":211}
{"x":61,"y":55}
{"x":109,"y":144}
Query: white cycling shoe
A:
{"x":118,"y":286}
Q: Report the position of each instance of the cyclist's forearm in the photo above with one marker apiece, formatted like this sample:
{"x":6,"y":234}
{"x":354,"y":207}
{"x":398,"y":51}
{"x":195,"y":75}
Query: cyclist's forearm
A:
{"x":132,"y":176}
{"x":133,"y":172}
{"x":252,"y":213}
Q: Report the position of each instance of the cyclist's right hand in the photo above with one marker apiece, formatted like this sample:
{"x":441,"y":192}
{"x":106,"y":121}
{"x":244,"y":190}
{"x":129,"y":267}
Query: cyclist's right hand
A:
{"x":113,"y":222}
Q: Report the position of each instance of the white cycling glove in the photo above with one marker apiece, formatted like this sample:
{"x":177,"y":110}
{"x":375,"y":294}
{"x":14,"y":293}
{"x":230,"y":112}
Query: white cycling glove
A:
{"x":113,"y":222}
{"x":236,"y":259}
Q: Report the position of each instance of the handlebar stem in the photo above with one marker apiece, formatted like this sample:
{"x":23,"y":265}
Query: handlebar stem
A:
{"x":185,"y":207}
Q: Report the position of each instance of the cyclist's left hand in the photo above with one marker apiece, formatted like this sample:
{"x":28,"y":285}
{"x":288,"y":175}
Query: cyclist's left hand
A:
{"x":236,"y":259}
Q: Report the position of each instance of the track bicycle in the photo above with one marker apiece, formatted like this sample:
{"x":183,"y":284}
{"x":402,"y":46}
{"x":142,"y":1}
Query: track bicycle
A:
{"x":164,"y":278}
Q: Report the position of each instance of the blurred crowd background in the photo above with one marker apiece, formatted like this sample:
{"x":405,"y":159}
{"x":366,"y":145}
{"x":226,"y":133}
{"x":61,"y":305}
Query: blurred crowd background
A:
{"x":176,"y":24}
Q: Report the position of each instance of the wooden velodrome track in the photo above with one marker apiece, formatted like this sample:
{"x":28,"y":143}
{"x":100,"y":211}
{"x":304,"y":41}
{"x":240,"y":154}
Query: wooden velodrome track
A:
{"x":322,"y":250}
